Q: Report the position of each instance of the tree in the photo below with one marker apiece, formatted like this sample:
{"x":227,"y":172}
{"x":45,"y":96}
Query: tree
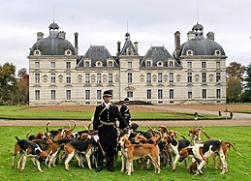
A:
{"x":234,"y":89}
{"x":235,"y":70}
{"x":246,"y":96}
{"x":8,"y":83}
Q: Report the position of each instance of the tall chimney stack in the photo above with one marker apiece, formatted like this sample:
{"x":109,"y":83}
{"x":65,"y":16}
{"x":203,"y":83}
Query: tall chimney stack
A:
{"x":177,"y":42}
{"x":76,"y":42}
{"x":210,"y":35}
{"x":190,"y":35}
{"x":136,"y":46}
{"x":118,"y":47}
{"x":40,"y":35}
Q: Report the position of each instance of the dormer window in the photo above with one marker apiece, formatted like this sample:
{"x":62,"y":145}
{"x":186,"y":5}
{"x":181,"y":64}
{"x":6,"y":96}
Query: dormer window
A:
{"x":170,"y":63}
{"x":217,"y":52}
{"x":87,"y":64}
{"x":148,"y":63}
{"x":109,"y":63}
{"x":189,"y":52}
{"x":159,"y":64}
{"x":37,"y":52}
{"x":98,"y":64}
{"x":67,"y":52}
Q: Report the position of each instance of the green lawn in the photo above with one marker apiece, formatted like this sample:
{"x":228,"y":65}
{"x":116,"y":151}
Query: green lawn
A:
{"x":24,"y":112}
{"x":239,"y":167}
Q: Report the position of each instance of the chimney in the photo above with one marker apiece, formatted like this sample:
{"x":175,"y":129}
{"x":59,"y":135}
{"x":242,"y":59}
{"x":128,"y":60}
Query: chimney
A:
{"x":40,"y":35}
{"x":61,"y":34}
{"x":190,"y":35}
{"x":177,"y":40}
{"x":210,"y":35}
{"x":76,"y":42}
{"x":118,"y":47}
{"x":136,"y":46}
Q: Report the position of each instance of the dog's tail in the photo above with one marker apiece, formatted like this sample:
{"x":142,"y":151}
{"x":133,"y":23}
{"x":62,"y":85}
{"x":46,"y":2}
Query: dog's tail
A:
{"x":204,"y":132}
{"x":235,"y":149}
{"x":17,"y":138}
{"x":27,"y":135}
{"x":47,"y":129}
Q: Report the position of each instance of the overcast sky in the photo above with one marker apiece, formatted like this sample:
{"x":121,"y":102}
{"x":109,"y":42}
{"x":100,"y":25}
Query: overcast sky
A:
{"x":104,"y":22}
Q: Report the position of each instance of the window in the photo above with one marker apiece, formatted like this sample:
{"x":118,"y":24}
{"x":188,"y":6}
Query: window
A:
{"x":148,"y":78}
{"x":53,"y":78}
{"x":87,"y":64}
{"x":68,"y":94}
{"x":99,"y":78}
{"x":160,"y":94}
{"x":53,"y":65}
{"x":189,"y":95}
{"x":87,"y":94}
{"x":160,"y":64}
{"x":189,"y":77}
{"x":217,"y":65}
{"x":110,"y":78}
{"x":130,"y":94}
{"x":218,"y":93}
{"x":68,"y":52}
{"x":99,"y":94}
{"x":189,"y":52}
{"x":159,"y":77}
{"x":204,"y":93}
{"x":217,"y":52}
{"x":37,"y":65}
{"x":37,"y":94}
{"x":129,"y":78}
{"x":189,"y":65}
{"x":53,"y":94}
{"x":37,"y":78}
{"x":68,"y":78}
{"x":68,"y":65}
{"x":148,"y":63}
{"x":37,"y":52}
{"x":218,"y":77}
{"x":129,"y":65}
{"x":204,"y":77}
{"x":170,"y":77}
{"x":110,"y":64}
{"x":171,"y":93}
{"x":148,"y":93}
{"x":87,"y":78}
{"x":98,"y":64}
{"x":170,"y":63}
{"x":203,"y":65}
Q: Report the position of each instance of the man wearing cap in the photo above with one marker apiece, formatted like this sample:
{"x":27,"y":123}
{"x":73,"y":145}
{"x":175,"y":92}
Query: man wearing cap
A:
{"x":105,"y":123}
{"x":125,"y":112}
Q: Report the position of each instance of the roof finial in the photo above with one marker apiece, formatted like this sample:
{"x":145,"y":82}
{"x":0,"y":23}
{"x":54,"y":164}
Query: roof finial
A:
{"x":197,"y":11}
{"x":53,"y":10}
{"x":127,"y":26}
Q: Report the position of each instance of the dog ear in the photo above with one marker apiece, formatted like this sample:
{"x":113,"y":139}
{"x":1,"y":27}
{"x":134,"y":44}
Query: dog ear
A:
{"x":127,"y":143}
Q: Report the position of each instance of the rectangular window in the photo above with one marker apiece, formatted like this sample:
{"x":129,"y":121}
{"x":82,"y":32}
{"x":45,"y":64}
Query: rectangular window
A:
{"x":110,"y":78}
{"x":171,"y":93}
{"x":129,"y":78}
{"x":218,"y":77}
{"x":53,"y":94}
{"x":189,"y":65}
{"x":87,"y":64}
{"x":99,"y":94}
{"x":110,"y":64}
{"x":68,"y":65}
{"x":37,"y":65}
{"x":189,"y":95}
{"x":148,"y":78}
{"x":68,"y":78}
{"x":37,"y":78}
{"x":87,"y":94}
{"x":37,"y":94}
{"x":204,"y":77}
{"x":217,"y":65}
{"x":99,"y":78}
{"x":204,"y":93}
{"x":53,"y":78}
{"x":203,"y":65}
{"x":149,"y":94}
{"x":87,"y":78}
{"x":160,"y":94}
{"x":159,"y":77}
{"x":129,"y":65}
{"x":68,"y":94}
{"x":148,"y":63}
{"x":53,"y":65}
{"x":130,"y":94}
{"x":170,"y":77}
{"x":218,"y":93}
{"x":189,"y":77}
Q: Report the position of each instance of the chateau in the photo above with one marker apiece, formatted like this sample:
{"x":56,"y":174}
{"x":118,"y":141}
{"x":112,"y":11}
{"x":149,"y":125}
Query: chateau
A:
{"x":194,"y":73}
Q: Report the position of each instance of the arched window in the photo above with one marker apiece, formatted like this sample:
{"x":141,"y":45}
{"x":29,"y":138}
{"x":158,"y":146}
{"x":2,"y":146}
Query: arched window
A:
{"x":159,"y":64}
{"x":189,"y":52}
{"x":99,"y":64}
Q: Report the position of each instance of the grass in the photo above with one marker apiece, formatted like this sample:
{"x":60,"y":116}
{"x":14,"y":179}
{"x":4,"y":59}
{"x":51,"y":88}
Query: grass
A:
{"x":25,"y":112}
{"x":239,"y":167}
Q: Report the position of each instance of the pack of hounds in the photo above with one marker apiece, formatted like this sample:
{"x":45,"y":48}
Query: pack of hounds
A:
{"x":159,"y":147}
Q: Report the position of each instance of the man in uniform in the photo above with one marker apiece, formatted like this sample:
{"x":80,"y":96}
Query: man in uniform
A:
{"x":125,"y":112}
{"x":105,"y":123}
